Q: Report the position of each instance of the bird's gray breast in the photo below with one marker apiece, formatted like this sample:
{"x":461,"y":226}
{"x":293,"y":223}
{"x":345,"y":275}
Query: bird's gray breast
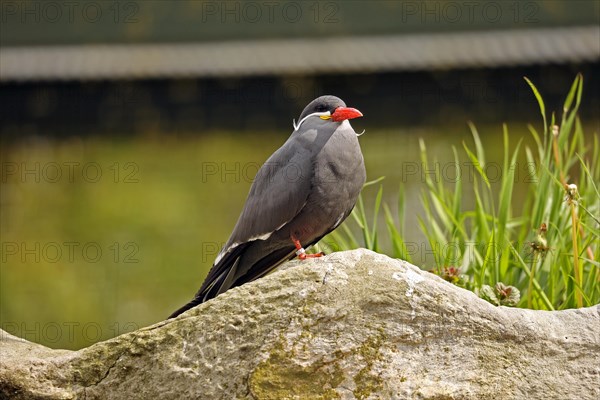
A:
{"x":340,"y":165}
{"x":339,"y":175}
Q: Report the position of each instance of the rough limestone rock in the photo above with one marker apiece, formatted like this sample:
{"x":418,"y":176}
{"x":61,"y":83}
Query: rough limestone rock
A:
{"x":352,"y":325}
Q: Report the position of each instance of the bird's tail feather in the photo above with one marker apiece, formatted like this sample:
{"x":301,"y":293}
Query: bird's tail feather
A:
{"x":191,"y":304}
{"x":225,"y":280}
{"x":209,"y":290}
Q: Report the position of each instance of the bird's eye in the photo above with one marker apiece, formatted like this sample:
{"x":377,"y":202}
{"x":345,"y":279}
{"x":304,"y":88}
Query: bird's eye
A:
{"x":321,"y":108}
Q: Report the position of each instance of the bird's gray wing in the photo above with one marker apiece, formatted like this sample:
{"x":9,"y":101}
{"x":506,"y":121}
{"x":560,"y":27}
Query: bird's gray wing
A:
{"x":277,"y":195}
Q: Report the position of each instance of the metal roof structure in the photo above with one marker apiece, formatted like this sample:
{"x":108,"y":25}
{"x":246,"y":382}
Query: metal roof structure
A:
{"x":347,"y":54}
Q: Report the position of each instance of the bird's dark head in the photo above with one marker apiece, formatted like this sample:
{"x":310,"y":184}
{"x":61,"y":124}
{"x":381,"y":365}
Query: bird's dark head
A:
{"x":328,"y":108}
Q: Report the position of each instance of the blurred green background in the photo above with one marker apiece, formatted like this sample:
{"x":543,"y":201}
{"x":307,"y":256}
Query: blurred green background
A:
{"x":118,"y":192}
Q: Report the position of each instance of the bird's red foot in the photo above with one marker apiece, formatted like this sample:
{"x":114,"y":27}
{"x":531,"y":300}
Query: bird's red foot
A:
{"x":301,"y":253}
{"x":304,"y":256}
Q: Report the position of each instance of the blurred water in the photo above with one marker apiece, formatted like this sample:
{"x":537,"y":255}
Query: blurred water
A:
{"x":103,"y":235}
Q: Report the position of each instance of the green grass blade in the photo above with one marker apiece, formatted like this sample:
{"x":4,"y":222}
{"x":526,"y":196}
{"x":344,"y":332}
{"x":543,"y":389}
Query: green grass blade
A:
{"x":540,"y":101}
{"x":571,"y":95}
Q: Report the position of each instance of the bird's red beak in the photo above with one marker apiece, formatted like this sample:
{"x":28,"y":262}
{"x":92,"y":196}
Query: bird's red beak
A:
{"x":344,"y":113}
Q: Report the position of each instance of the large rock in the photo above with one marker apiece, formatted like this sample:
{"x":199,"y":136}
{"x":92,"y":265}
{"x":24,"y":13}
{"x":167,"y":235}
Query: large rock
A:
{"x":350,"y":325}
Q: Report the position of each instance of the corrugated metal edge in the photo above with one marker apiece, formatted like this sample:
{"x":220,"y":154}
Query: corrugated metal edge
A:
{"x":302,"y":56}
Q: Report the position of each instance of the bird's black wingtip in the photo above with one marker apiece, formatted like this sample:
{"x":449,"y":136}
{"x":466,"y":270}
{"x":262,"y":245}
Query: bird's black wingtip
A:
{"x":186,"y":307}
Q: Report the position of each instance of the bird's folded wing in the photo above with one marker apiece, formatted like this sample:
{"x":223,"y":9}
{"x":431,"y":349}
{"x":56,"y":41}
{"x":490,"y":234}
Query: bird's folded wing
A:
{"x":278,"y":194}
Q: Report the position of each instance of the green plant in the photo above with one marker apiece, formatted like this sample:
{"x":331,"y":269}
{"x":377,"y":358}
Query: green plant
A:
{"x":548,"y":250}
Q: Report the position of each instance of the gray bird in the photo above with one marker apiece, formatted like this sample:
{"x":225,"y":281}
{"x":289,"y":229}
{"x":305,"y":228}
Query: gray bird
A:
{"x":305,"y":190}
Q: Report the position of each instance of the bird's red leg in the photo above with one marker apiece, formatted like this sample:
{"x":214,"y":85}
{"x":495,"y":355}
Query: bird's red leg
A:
{"x":301,"y":253}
